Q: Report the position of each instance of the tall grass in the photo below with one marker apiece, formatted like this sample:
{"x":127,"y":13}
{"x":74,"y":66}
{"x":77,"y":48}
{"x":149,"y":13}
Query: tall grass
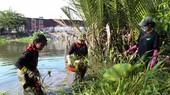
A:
{"x":139,"y":81}
{"x":3,"y":40}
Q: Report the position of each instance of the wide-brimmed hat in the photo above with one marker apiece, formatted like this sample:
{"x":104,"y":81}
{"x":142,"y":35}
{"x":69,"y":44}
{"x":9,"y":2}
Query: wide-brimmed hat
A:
{"x":146,"y":21}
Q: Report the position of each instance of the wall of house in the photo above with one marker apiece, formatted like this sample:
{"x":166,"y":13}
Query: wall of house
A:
{"x":35,"y":24}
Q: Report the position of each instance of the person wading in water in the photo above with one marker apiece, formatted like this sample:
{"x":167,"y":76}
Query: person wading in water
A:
{"x":28,"y":74}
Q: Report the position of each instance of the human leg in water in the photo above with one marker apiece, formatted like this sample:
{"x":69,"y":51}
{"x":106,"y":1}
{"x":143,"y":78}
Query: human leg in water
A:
{"x":31,"y":86}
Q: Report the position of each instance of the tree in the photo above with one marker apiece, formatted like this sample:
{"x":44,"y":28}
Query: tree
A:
{"x":10,"y":20}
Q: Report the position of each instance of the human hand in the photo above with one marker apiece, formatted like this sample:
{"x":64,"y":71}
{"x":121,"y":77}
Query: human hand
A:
{"x":126,"y":52}
{"x":68,"y":60}
{"x":30,"y":73}
{"x":152,"y":62}
{"x":77,"y":61}
{"x":36,"y":72}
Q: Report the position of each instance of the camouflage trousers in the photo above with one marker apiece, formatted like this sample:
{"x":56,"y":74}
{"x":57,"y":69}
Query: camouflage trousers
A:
{"x":28,"y":85}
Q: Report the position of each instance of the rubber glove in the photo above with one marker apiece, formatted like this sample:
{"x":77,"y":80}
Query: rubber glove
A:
{"x":68,"y":60}
{"x":154,"y":58}
{"x":130,"y":49}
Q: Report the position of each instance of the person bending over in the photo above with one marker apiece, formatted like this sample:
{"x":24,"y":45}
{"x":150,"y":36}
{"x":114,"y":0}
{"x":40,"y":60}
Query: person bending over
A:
{"x":28,"y":74}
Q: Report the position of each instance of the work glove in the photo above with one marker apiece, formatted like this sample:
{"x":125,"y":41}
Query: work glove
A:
{"x":30,"y":73}
{"x":77,"y":61}
{"x":36,"y":71}
{"x":68,"y":60}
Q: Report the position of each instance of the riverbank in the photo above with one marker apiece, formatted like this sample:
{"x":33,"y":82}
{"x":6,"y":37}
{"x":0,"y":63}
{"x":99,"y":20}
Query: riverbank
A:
{"x":94,"y":81}
{"x":3,"y":40}
{"x":59,"y":37}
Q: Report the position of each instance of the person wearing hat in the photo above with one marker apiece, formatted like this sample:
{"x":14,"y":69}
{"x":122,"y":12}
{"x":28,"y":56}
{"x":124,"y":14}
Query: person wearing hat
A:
{"x":148,"y":41}
{"x":28,"y":74}
{"x":79,"y":50}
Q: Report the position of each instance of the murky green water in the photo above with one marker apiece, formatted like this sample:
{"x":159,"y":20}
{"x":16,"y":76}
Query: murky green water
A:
{"x":51,"y":58}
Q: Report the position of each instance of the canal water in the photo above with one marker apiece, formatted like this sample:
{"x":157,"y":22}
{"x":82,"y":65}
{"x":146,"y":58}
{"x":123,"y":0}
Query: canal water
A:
{"x":51,"y":58}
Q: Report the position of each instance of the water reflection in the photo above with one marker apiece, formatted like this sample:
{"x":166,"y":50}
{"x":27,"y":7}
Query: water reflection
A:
{"x":9,"y":52}
{"x":51,"y":58}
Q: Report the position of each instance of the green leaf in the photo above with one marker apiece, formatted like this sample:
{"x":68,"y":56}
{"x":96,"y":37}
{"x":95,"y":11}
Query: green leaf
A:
{"x":117,"y":71}
{"x":135,"y":66}
{"x":166,"y":27}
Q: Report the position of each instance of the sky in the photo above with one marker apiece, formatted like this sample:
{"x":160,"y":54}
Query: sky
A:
{"x":48,"y":9}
